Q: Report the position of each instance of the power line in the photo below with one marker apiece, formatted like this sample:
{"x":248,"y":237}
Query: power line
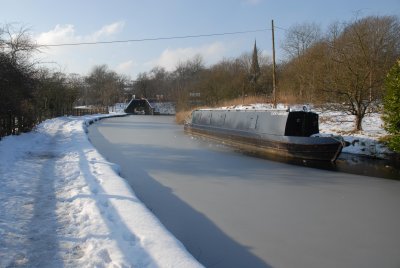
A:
{"x":152,"y":39}
{"x":281,"y":28}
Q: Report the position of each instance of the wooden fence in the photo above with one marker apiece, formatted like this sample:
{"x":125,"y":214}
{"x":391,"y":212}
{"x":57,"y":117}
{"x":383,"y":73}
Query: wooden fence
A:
{"x":86,"y":111}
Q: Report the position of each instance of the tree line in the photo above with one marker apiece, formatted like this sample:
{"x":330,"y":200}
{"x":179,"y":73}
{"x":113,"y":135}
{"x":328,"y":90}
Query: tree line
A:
{"x":30,"y":93}
{"x":347,"y":65}
{"x":343,"y":68}
{"x":192,"y":83}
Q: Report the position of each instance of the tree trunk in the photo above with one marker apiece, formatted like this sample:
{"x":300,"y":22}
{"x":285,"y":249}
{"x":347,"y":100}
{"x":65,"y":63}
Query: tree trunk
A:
{"x":358,"y":125}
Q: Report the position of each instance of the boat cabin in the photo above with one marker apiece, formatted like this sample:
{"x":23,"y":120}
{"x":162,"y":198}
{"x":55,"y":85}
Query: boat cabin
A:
{"x":272,"y":122}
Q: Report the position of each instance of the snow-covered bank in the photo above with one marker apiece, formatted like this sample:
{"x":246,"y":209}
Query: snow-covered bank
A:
{"x":365,"y":142}
{"x":164,"y":108}
{"x":62,"y":204}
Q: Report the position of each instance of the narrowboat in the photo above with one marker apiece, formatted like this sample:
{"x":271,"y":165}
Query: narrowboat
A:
{"x":285,"y":133}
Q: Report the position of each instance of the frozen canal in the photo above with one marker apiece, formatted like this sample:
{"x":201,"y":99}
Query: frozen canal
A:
{"x":231,"y":210}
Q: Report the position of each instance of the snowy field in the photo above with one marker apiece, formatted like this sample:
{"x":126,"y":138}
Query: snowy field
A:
{"x":63,"y":205}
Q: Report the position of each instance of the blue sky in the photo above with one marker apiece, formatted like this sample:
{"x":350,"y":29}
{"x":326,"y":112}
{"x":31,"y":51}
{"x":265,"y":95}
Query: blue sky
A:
{"x":72,"y":21}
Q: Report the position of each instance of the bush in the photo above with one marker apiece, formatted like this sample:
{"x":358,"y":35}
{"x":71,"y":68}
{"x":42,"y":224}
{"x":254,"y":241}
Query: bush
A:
{"x":391,"y":104}
{"x":182,"y":116}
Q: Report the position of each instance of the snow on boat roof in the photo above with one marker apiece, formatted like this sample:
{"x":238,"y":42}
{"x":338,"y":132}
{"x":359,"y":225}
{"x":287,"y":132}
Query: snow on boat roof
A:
{"x":259,"y":107}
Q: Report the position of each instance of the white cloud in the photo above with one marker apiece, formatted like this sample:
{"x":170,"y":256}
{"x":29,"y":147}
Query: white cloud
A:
{"x":67,"y":34}
{"x":125,"y":67}
{"x":108,"y":30}
{"x":170,"y":58}
{"x":75,"y":58}
{"x":60,"y":34}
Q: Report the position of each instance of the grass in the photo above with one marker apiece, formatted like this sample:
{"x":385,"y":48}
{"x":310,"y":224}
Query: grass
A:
{"x":244,"y":101}
{"x":182,"y":116}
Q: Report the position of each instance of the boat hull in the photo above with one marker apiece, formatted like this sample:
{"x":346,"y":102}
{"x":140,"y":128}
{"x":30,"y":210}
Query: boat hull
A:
{"x":264,"y":145}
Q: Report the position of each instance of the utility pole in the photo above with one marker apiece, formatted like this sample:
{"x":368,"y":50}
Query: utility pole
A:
{"x":273,"y":66}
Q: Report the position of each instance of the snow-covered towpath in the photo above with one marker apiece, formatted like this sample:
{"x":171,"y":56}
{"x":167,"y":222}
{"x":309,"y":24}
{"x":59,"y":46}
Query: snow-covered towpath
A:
{"x":63,"y":205}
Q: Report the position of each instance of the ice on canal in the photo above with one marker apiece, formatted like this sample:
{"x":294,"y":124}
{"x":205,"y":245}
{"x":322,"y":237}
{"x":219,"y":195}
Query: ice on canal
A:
{"x":231,"y":210}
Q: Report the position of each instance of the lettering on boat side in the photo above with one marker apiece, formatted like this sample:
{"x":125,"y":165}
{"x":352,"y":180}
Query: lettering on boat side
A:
{"x":278,"y":113}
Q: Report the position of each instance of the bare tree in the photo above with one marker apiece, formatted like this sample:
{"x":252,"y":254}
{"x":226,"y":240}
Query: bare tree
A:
{"x":142,"y":85}
{"x":17,"y":42}
{"x":186,"y":78}
{"x":299,"y":38}
{"x":223,"y":81}
{"x":160,"y":83}
{"x":17,"y":82}
{"x":104,"y":86}
{"x":77,"y":84}
{"x":298,"y":42}
{"x":55,"y":95}
{"x":360,"y":54}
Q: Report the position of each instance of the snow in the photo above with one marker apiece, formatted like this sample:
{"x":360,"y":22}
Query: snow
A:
{"x":117,"y":108}
{"x":62,"y":204}
{"x":232,"y":210}
{"x":164,"y":108}
{"x":337,"y":123}
{"x":365,"y":142}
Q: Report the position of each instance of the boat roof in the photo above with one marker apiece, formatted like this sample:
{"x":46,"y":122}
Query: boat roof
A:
{"x":244,"y":110}
{"x":257,"y":108}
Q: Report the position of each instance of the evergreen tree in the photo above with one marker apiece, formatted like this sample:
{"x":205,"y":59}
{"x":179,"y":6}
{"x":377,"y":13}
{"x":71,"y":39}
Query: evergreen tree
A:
{"x":391,"y":116}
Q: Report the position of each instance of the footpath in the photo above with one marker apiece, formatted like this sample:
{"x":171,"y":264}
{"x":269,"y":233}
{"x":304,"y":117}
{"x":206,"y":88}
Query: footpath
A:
{"x":63,"y":205}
